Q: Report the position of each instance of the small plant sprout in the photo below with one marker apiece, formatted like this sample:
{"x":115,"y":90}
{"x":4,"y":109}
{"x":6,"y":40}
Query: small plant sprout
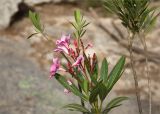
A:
{"x":83,"y":77}
{"x":138,"y":18}
{"x":35,"y":18}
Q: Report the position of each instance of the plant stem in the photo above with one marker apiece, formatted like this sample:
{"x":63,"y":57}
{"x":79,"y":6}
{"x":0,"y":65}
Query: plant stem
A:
{"x":130,"y":41}
{"x":147,"y":72}
{"x":96,"y":107}
{"x":100,"y":106}
{"x":82,"y":102}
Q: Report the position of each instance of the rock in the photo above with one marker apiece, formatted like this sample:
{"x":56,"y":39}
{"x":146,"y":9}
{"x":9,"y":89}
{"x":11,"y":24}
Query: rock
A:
{"x":34,"y":2}
{"x":7,"y":9}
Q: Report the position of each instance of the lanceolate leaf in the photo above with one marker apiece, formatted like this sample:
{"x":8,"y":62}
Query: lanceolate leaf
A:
{"x":102,"y":92}
{"x":35,"y":18}
{"x":114,"y":103}
{"x":95,"y":68}
{"x":76,"y":107}
{"x":78,"y":16}
{"x":99,"y":90}
{"x":72,"y":87}
{"x":133,"y":13}
{"x":85,"y":86}
{"x":104,"y":71}
{"x":116,"y":73}
{"x":151,"y":24}
{"x":94,"y":93}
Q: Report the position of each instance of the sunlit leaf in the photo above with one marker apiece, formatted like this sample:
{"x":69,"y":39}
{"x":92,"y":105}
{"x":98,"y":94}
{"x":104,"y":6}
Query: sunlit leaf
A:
{"x":104,"y":71}
{"x":72,"y":87}
{"x":114,"y":103}
{"x":116,"y":72}
{"x":35,"y":18}
{"x":77,"y":107}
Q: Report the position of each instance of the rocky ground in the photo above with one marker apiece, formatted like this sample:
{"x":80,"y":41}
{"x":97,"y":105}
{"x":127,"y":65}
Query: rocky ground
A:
{"x":24,"y":84}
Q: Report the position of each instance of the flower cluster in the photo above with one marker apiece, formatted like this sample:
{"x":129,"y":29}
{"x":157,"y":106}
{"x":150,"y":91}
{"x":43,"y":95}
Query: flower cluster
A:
{"x":74,"y":56}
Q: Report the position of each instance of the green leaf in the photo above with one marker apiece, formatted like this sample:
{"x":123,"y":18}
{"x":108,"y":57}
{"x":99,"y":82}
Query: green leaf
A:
{"x":85,"y":86}
{"x":78,"y":16}
{"x":114,"y":103}
{"x":72,"y":87}
{"x":94,"y":71}
{"x":102,"y":92}
{"x":133,"y":13}
{"x":87,"y":63}
{"x":94,"y":93}
{"x":151,"y":24}
{"x":76,"y":107}
{"x":116,"y":73}
{"x":95,"y":68}
{"x":35,"y":18}
{"x":104,"y":71}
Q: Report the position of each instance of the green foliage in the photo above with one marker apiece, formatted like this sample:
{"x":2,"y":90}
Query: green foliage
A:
{"x":116,"y":73}
{"x":113,"y":104}
{"x":35,"y":18}
{"x":72,"y":87}
{"x":76,"y":107}
{"x":104,"y":71}
{"x":104,"y":86}
{"x":95,"y":68}
{"x":79,"y":24}
{"x":94,"y":93}
{"x":85,"y":86}
{"x":135,"y":14}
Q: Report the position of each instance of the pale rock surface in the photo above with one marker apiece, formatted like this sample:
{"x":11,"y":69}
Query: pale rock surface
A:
{"x":7,"y":9}
{"x":34,"y":2}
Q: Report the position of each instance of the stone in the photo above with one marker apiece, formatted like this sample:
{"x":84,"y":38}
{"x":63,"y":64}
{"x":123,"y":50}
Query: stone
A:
{"x":7,"y":9}
{"x":34,"y":2}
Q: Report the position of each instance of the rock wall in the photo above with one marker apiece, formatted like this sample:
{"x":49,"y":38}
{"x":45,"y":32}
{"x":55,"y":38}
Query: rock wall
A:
{"x":33,"y":2}
{"x":9,"y":7}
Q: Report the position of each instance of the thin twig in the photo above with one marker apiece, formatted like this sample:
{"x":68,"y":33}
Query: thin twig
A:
{"x":82,"y":102}
{"x":143,"y":40}
{"x":130,"y":42}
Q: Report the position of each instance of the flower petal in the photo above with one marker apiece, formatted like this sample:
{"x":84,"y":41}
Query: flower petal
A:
{"x":78,"y":61}
{"x":66,"y":91}
{"x":54,"y":67}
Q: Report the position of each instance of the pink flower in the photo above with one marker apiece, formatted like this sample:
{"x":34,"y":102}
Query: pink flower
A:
{"x":62,"y":49}
{"x":54,"y":67}
{"x":69,"y":82}
{"x":63,"y":44}
{"x":78,"y":61}
{"x":66,"y":91}
{"x":65,"y":40}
